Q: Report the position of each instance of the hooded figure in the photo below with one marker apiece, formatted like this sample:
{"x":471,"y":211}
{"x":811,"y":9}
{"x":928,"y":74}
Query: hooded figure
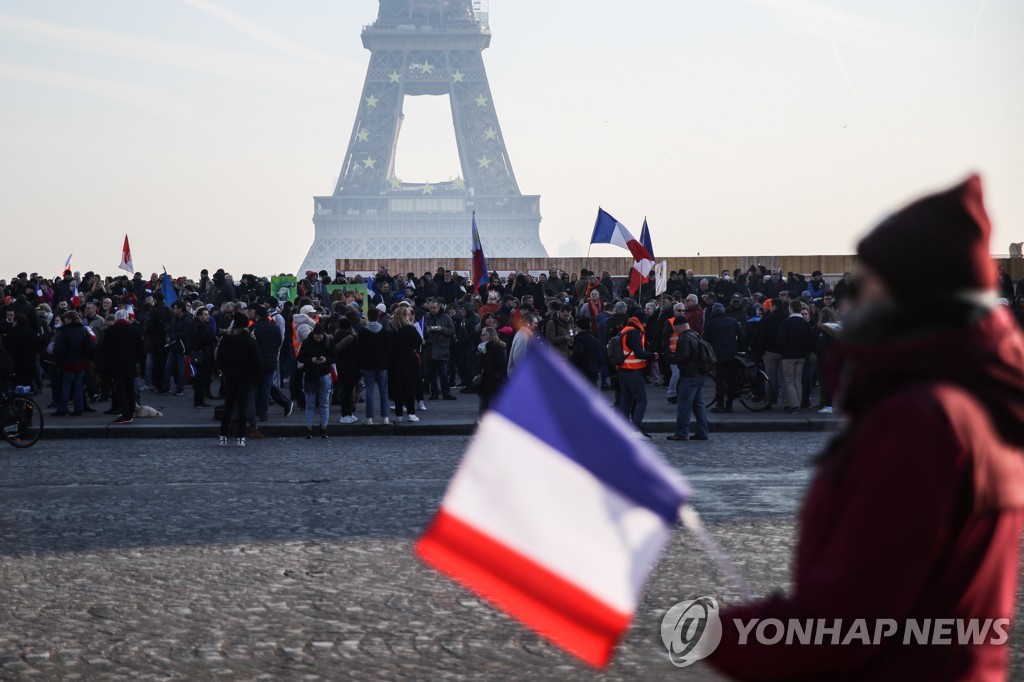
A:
{"x":916,"y":510}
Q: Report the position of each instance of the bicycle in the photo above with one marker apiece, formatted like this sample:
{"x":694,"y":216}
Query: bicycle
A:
{"x":20,"y":417}
{"x":756,"y":391}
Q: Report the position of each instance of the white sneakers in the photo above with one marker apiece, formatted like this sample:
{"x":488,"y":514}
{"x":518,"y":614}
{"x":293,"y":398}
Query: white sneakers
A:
{"x":421,"y":406}
{"x":386,"y":421}
{"x":412,"y":418}
{"x":825,"y":410}
{"x":351,"y":419}
{"x":222,"y":441}
{"x":369,"y":421}
{"x":241,"y":442}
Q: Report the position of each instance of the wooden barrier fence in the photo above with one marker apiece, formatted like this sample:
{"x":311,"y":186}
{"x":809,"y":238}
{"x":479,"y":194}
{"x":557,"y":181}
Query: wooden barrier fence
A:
{"x":701,"y":265}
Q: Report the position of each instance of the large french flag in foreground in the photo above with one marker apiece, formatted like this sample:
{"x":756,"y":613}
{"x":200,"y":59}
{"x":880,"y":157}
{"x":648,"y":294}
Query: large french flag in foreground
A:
{"x":608,"y":230}
{"x":557,"y":512}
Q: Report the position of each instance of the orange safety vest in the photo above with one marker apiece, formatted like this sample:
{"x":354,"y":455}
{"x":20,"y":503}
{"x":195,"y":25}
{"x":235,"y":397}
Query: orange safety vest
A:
{"x":673,"y":342}
{"x":632,"y":361}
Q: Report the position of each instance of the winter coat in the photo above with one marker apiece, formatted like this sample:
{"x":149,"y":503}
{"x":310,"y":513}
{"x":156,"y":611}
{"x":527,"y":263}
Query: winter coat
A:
{"x":311,"y":348}
{"x":404,"y":363}
{"x":493,"y":368}
{"x":202,"y":342}
{"x":73,"y":347}
{"x":796,"y":338}
{"x":587,"y":354}
{"x":239,"y":358}
{"x":375,"y":346}
{"x":178,"y":333}
{"x":557,"y":333}
{"x":122,"y":351}
{"x":303,"y":326}
{"x":347,"y":355}
{"x":268,"y":338}
{"x":725,"y":334}
{"x":437,"y":345}
{"x":915,"y":512}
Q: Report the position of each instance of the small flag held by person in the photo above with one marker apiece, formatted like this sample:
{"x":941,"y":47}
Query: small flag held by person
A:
{"x":76,"y":300}
{"x":608,"y":230}
{"x":479,"y":275}
{"x":67,"y":264}
{"x":641,"y":272}
{"x":126,"y":257}
{"x":557,"y":513}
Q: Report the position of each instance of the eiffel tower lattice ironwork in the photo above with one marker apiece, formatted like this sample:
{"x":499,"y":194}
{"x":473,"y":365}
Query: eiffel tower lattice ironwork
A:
{"x":425,"y":47}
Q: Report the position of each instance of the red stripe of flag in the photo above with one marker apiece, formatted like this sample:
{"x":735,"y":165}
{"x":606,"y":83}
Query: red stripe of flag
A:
{"x":542,"y":600}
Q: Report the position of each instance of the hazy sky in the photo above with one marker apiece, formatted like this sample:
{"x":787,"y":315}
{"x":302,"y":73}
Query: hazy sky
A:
{"x":203,"y":128}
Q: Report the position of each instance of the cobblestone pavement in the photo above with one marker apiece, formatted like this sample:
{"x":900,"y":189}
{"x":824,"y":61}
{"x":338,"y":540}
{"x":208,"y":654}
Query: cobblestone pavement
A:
{"x":292,"y":559}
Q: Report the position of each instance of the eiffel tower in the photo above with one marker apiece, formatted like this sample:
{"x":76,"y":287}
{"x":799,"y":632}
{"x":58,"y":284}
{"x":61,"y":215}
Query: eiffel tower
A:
{"x":425,"y":47}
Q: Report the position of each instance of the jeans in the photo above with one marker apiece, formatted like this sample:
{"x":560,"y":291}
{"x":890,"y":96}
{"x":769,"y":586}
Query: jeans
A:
{"x":318,"y":397}
{"x":73,"y":381}
{"x":807,"y":385}
{"x":376,"y":378}
{"x":438,"y":369}
{"x":174,"y":367}
{"x":673,"y":382}
{"x":691,"y":399}
{"x":632,"y":396}
{"x":267,"y":390}
{"x":792,"y":373}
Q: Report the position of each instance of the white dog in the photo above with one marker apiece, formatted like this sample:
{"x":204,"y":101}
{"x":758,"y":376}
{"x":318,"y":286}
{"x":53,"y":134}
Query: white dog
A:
{"x":145,"y":411}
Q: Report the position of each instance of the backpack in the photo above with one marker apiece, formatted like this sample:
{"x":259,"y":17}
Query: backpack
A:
{"x":706,"y":360}
{"x":616,"y":354}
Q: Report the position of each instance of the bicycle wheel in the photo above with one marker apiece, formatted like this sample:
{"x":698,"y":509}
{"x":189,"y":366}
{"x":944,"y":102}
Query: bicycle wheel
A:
{"x":757,"y":395}
{"x":22,"y":422}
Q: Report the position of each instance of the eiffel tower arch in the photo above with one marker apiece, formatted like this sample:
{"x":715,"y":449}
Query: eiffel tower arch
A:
{"x":417,"y":48}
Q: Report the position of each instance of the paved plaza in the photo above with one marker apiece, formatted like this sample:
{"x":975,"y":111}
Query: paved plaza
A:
{"x":158,"y":559}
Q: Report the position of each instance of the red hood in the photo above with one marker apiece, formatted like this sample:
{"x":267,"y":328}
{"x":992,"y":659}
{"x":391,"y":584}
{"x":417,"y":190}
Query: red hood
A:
{"x":986,"y":358}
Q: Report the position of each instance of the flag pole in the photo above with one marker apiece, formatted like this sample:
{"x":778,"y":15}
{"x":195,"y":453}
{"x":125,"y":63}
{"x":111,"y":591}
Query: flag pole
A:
{"x":691,"y":520}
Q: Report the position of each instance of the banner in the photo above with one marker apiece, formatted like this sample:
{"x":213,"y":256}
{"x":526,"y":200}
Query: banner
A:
{"x":350,"y":293}
{"x":284,"y":288}
{"x":661,"y":278}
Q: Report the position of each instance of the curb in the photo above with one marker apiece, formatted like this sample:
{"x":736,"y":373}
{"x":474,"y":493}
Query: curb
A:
{"x":448,"y":428}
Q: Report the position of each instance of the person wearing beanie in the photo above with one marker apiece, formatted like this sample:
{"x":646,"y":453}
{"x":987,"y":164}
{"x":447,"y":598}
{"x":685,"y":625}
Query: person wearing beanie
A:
{"x":915,"y":512}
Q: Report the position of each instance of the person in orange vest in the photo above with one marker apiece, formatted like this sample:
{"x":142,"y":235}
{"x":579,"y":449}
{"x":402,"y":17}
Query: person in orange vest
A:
{"x":632,"y":388}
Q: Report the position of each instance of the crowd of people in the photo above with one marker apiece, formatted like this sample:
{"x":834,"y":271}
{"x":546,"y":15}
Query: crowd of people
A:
{"x":95,"y":339}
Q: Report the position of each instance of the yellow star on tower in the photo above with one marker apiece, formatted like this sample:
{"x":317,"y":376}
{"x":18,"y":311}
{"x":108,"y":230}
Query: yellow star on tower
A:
{"x":491,"y":133}
{"x":396,"y":183}
{"x":481,"y":101}
{"x":458,"y":76}
{"x":485,"y":162}
{"x":459,"y":183}
{"x":428,"y":188}
{"x":371,"y":101}
{"x":363,"y":135}
{"x":394,"y":76}
{"x":370,"y":162}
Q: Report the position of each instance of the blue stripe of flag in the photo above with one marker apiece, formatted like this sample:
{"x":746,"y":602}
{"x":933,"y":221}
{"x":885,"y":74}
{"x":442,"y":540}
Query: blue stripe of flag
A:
{"x":548,"y":398}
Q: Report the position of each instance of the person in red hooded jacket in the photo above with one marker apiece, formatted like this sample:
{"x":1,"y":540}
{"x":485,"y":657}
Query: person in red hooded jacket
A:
{"x":916,"y":509}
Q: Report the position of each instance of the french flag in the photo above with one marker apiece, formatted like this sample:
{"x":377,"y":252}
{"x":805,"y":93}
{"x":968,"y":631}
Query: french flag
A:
{"x":608,"y":230}
{"x":642,"y":268}
{"x":479,"y":274}
{"x":75,"y":299}
{"x":557,"y":513}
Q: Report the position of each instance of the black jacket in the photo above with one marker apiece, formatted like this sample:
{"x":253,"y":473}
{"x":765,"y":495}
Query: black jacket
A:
{"x":687,"y":354}
{"x":375,"y":346}
{"x":493,"y":366}
{"x":795,"y":338}
{"x":311,"y":348}
{"x":122,"y":350}
{"x":179,"y":332}
{"x":586,"y":354}
{"x":268,"y":338}
{"x":725,"y":335}
{"x":238,"y":357}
